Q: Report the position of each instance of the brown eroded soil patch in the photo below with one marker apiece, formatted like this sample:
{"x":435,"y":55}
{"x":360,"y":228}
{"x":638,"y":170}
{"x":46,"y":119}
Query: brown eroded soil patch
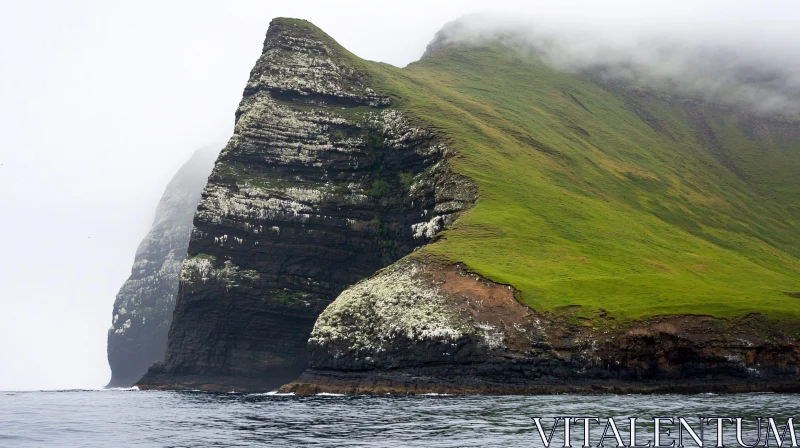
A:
{"x":487,"y":302}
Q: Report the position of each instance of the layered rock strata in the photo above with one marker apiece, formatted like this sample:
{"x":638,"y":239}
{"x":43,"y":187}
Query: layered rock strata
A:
{"x":325,"y":182}
{"x":322,"y":184}
{"x":143,"y":308}
{"x":422,"y":326}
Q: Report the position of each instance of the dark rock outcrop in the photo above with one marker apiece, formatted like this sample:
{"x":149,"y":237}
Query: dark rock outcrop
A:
{"x":325,"y":182}
{"x":321,"y":184}
{"x":421,"y":326}
{"x":143,"y":307}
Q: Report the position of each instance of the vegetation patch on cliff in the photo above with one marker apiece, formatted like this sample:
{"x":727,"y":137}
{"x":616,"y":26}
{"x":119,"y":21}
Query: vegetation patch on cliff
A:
{"x":584,"y":202}
{"x":587,"y":204}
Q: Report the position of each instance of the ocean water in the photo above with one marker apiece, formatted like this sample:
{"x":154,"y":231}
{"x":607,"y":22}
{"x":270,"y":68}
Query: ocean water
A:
{"x":131,"y":418}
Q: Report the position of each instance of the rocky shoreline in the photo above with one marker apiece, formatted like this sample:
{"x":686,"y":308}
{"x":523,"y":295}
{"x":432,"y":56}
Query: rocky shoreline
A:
{"x":490,"y":343}
{"x":468,"y":381}
{"x":303,"y":271}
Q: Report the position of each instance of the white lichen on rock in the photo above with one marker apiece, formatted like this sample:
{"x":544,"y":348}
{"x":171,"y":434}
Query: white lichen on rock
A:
{"x":303,"y":61}
{"x":195,"y":269}
{"x":124,"y":327}
{"x":399,"y":305}
{"x":282,"y":135}
{"x":314,"y":191}
{"x":428,"y":229}
{"x":198,"y":271}
{"x":247,"y":205}
{"x":396,"y":303}
{"x":492,"y":337}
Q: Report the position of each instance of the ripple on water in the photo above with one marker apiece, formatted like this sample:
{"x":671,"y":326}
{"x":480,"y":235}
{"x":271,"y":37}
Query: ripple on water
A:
{"x":127,"y":417}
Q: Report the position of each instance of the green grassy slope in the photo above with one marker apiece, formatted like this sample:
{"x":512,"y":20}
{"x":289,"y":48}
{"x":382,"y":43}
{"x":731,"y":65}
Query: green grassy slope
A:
{"x":604,"y":198}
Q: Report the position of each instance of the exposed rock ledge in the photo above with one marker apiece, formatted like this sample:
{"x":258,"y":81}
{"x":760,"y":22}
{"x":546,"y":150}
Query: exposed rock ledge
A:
{"x":420,"y":326}
{"x":321,"y":185}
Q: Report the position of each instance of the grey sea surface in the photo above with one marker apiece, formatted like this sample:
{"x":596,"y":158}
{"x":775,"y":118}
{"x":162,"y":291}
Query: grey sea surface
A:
{"x":131,"y":418}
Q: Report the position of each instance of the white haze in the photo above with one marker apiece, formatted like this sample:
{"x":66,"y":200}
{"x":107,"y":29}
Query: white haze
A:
{"x":102,"y":101}
{"x":740,"y":64}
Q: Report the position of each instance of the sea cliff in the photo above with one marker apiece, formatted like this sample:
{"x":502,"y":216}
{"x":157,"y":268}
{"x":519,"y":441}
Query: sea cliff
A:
{"x":321,"y":184}
{"x":480,"y":222}
{"x":143,"y":307}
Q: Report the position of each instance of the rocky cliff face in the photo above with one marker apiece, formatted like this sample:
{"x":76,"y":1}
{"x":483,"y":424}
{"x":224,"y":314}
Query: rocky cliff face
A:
{"x":326,"y":190}
{"x":143,"y":307}
{"x":422,"y":326}
{"x":322,"y":184}
{"x":430,"y":325}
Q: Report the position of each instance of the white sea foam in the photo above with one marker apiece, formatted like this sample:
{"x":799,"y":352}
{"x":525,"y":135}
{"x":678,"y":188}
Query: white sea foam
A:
{"x":121,"y":388}
{"x":273,"y":393}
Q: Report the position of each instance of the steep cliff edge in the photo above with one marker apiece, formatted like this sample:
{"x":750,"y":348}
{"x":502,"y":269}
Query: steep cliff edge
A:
{"x":321,"y":184}
{"x":626,"y":240}
{"x":622,"y":239}
{"x":421,"y":326}
{"x":143,"y":308}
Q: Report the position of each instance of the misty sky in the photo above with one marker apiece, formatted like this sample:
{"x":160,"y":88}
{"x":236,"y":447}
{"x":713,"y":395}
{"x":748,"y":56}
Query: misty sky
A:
{"x":102,"y":101}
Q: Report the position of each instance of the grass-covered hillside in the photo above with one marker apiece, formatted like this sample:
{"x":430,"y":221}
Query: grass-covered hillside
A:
{"x":608,"y":198}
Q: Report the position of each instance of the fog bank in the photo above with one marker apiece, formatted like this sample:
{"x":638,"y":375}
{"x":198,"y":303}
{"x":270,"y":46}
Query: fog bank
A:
{"x":735,"y":62}
{"x":103,"y":100}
